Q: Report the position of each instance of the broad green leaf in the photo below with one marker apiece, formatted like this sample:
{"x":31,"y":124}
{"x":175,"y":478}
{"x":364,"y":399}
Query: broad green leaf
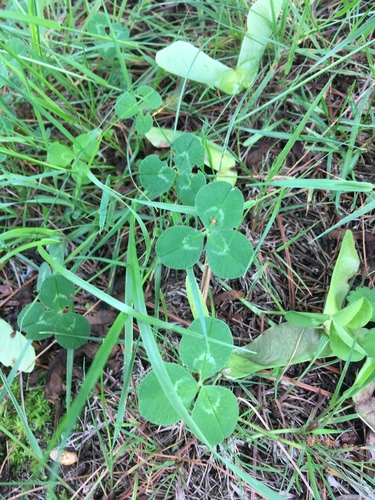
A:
{"x":219,"y":206}
{"x":200,"y":354}
{"x":228,"y":253}
{"x":187,"y":187}
{"x":278,"y":346}
{"x":343,"y":343}
{"x":38,"y":323}
{"x":59,"y":154}
{"x":261,"y":20}
{"x":216,"y":413}
{"x":154,"y":404}
{"x":346,"y":266}
{"x":354,"y":315}
{"x":57,"y":292}
{"x":367,"y":293}
{"x":368,"y":343}
{"x":188,"y":152}
{"x":15,"y":346}
{"x":179,"y":247}
{"x":72,"y":330}
{"x":143,"y":123}
{"x":86,"y":146}
{"x":126,"y":106}
{"x":148,"y":97}
{"x":155,"y":175}
{"x":185,"y":60}
{"x":308,"y":320}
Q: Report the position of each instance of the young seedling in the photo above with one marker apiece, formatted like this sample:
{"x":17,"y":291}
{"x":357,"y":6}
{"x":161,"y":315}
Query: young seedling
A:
{"x":185,"y":60}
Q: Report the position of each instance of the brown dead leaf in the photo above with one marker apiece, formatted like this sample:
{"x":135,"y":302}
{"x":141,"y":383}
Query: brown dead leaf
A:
{"x":228,"y":296}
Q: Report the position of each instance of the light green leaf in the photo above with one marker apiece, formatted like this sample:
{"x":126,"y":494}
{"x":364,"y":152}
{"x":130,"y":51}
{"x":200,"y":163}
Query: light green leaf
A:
{"x":367,"y":293}
{"x":15,"y":346}
{"x":154,"y":404}
{"x":308,"y":320}
{"x":86,"y":146}
{"x":354,"y":315}
{"x":346,"y":266}
{"x":148,"y":98}
{"x":228,"y":253}
{"x":72,"y":330}
{"x":216,"y":413}
{"x":155,"y":175}
{"x":368,"y":343}
{"x":280,"y":345}
{"x":143,"y":123}
{"x":261,"y":20}
{"x":343,"y":343}
{"x":179,"y":247}
{"x":57,"y":292}
{"x":185,"y":60}
{"x":59,"y":154}
{"x":219,"y":205}
{"x":195,"y":299}
{"x":126,"y":106}
{"x":200,"y":354}
{"x":187,"y":187}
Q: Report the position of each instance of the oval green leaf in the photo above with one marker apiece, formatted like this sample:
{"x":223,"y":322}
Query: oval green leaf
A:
{"x":38,"y":323}
{"x":220,"y":205}
{"x":216,"y":413}
{"x":126,"y":106}
{"x":188,"y":152}
{"x":72,"y":330}
{"x":179,"y":247}
{"x":56,"y":292}
{"x":155,"y":175}
{"x":188,"y":185}
{"x":154,"y":404}
{"x":228,"y":253}
{"x":201,"y":355}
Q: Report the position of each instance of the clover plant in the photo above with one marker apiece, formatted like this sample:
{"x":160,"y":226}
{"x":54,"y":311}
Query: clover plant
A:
{"x":47,"y":316}
{"x":138,"y":103}
{"x":79,"y":155}
{"x":219,"y":206}
{"x":213,"y":408}
{"x":185,"y":60}
{"x":220,"y":161}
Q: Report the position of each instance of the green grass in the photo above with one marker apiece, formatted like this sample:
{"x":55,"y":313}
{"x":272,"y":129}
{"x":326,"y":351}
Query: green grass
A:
{"x":60,"y":77}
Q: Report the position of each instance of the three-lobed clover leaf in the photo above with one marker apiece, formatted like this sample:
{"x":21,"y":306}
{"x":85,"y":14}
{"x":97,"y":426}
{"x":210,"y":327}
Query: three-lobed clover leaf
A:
{"x":155,"y":175}
{"x":45,"y":318}
{"x":154,"y":404}
{"x":203,"y":355}
{"x":219,"y":206}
